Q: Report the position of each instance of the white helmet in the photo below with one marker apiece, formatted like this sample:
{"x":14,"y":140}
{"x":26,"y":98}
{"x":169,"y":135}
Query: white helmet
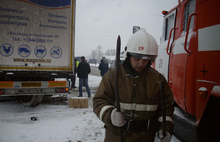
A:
{"x":142,"y":45}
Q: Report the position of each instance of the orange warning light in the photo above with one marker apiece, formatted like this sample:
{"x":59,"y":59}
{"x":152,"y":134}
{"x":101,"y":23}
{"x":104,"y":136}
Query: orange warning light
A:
{"x":164,"y":12}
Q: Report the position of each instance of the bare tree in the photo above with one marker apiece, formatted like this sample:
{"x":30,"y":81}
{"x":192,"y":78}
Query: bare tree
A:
{"x":113,"y":52}
{"x":94,"y":54}
{"x":99,"y":51}
{"x":110,"y":52}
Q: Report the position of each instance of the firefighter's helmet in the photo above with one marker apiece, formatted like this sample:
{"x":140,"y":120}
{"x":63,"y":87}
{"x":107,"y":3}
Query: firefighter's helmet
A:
{"x":142,"y":45}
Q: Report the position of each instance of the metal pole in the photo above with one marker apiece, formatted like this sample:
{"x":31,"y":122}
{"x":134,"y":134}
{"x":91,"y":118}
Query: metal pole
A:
{"x":163,"y":107}
{"x":116,"y":81}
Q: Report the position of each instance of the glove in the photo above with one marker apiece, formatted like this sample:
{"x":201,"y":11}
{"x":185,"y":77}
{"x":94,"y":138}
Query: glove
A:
{"x":167,"y":138}
{"x":117,"y":118}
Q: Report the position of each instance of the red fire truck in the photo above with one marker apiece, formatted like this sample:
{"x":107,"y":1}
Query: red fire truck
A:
{"x":188,"y":57}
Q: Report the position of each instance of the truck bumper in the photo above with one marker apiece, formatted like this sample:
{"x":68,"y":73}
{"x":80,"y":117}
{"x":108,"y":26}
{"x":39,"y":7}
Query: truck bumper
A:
{"x":18,"y":88}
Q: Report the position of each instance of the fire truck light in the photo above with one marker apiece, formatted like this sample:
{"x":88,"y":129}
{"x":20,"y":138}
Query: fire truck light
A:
{"x":203,"y":92}
{"x":164,"y":12}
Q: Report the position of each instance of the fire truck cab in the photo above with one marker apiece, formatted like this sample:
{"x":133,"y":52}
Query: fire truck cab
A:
{"x":188,"y":57}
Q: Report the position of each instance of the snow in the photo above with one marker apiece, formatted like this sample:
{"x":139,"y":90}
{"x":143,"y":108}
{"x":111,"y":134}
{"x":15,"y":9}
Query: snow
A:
{"x":216,"y":89}
{"x":56,"y":122}
{"x":202,"y":89}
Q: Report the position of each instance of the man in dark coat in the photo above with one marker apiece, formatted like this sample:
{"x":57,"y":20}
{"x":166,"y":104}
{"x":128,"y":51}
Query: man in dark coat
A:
{"x":82,"y":72}
{"x":103,"y":66}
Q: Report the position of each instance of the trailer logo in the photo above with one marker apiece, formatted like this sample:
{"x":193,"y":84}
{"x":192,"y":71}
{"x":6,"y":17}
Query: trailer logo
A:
{"x":24,"y":50}
{"x":40,"y":51}
{"x":56,"y":52}
{"x":6,"y":49}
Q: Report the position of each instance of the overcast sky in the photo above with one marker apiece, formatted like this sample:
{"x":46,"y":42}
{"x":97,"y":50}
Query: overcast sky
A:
{"x":99,"y":22}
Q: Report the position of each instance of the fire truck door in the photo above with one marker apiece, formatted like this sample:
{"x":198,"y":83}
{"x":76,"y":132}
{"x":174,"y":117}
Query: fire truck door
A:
{"x":179,"y":58}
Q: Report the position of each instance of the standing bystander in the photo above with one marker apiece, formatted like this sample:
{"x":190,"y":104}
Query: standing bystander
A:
{"x":73,"y":79}
{"x":103,"y":66}
{"x":82,"y":72}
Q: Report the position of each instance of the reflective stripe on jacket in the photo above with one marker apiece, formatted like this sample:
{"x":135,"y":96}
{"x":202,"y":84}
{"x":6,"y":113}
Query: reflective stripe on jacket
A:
{"x":77,"y":64}
{"x":139,"y":97}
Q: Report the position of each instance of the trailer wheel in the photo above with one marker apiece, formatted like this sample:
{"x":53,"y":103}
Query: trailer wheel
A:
{"x":32,"y":100}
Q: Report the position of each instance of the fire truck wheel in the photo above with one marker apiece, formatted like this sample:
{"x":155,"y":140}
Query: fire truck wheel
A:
{"x":31,"y":101}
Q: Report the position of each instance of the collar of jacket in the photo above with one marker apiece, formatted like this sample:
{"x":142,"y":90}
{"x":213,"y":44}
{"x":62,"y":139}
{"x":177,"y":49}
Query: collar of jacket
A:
{"x":135,"y":74}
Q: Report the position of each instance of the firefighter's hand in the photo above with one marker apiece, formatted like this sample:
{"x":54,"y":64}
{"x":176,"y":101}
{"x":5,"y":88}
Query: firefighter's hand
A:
{"x":167,"y":138}
{"x":117,"y":118}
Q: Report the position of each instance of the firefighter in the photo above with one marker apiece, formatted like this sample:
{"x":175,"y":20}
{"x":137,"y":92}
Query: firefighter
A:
{"x":139,"y":95}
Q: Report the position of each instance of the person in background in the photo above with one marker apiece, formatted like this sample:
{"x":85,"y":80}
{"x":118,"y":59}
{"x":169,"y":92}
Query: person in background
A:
{"x":139,"y":95}
{"x":82,"y":72}
{"x":103,"y":66}
{"x":73,"y":79}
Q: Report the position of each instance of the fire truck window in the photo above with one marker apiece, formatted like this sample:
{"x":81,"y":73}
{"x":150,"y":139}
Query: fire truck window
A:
{"x":189,"y":9}
{"x":169,"y":26}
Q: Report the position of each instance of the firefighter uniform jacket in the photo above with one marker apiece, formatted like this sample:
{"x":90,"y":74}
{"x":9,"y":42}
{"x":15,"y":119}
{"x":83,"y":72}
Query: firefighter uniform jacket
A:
{"x":139,"y":99}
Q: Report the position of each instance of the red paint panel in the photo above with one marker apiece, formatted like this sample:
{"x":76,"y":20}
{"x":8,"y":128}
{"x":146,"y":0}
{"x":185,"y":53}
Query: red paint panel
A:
{"x":177,"y":77}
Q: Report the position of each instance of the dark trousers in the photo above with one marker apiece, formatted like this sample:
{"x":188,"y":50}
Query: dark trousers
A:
{"x":85,"y":82}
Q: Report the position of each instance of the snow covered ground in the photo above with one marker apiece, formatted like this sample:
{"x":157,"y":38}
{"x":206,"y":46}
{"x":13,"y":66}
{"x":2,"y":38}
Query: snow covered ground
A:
{"x":56,"y":122}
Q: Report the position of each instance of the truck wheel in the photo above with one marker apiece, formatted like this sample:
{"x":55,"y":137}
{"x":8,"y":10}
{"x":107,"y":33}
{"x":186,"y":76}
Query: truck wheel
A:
{"x":31,"y":101}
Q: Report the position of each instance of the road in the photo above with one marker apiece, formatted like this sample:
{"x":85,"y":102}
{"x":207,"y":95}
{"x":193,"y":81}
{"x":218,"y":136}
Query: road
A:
{"x":94,"y":70}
